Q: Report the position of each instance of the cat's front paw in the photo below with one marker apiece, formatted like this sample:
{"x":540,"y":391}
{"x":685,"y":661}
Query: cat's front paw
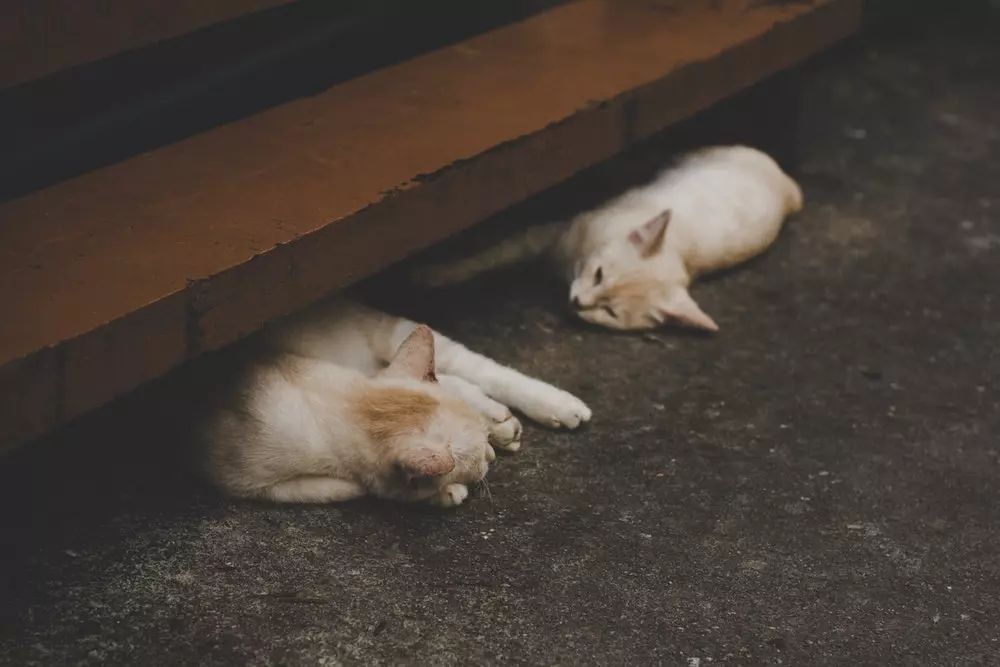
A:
{"x":558,"y":409}
{"x":505,"y":432}
{"x":451,"y":495}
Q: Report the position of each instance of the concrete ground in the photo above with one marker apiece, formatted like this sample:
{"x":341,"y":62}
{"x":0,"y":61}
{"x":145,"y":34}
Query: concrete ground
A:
{"x":816,"y":484}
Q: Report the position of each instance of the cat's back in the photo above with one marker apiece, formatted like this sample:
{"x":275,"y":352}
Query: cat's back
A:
{"x":338,"y":330}
{"x":269,"y":417}
{"x":749,"y":176}
{"x":728,"y":202}
{"x":708,"y":180}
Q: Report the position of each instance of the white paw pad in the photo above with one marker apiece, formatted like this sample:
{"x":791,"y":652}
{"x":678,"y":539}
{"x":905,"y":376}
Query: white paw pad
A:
{"x":559,"y":409}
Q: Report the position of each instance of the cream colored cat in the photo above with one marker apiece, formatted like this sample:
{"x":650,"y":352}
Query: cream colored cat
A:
{"x":344,"y":401}
{"x":630,"y":261}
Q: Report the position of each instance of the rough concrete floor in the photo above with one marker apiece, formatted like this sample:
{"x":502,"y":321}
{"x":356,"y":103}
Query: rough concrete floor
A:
{"x":815,"y":484}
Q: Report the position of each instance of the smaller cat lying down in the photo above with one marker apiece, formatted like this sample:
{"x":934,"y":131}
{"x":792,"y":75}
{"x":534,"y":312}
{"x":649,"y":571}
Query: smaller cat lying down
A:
{"x":344,"y":401}
{"x":629,"y":262}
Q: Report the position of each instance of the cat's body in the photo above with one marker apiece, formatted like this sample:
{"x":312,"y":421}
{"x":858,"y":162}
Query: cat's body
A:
{"x":343,"y":401}
{"x":359,"y":337}
{"x":630,"y":261}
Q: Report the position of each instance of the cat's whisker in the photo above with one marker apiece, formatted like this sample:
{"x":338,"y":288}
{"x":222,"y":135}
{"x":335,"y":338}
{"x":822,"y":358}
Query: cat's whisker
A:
{"x":485,"y":486}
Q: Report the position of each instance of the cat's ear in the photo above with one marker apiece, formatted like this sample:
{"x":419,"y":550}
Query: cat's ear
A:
{"x":415,"y":357}
{"x":424,"y":461}
{"x":681,"y":308}
{"x":648,"y":238}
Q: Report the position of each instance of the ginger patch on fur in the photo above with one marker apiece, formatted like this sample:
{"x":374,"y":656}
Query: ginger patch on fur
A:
{"x":387,"y":412}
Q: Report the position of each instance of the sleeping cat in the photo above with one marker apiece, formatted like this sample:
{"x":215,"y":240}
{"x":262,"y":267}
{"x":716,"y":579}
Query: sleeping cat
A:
{"x":630,"y":261}
{"x":343,"y":401}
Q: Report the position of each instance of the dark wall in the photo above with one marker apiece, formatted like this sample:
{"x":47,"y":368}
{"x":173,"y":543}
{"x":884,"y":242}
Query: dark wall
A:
{"x":76,"y":120}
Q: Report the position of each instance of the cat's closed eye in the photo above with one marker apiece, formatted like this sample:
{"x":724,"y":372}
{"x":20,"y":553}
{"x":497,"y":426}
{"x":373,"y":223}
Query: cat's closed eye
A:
{"x":610,"y":311}
{"x":598,"y":276}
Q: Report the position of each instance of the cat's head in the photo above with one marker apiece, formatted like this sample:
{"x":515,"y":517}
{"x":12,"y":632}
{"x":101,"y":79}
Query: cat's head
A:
{"x":627,"y":285}
{"x":426,"y":438}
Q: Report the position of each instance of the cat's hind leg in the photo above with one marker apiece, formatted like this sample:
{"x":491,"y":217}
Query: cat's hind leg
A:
{"x":313,"y":489}
{"x":538,"y":400}
{"x":505,"y":429}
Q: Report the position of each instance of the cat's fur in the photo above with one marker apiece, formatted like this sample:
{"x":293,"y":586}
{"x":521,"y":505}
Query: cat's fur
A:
{"x":630,"y":261}
{"x":343,"y":401}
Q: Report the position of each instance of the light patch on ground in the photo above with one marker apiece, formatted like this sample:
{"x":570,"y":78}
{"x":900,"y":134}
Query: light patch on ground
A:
{"x":850,"y":230}
{"x":907,"y":165}
{"x":982,"y":243}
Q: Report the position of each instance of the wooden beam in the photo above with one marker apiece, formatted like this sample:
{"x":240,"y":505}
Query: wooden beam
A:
{"x":117,"y":276}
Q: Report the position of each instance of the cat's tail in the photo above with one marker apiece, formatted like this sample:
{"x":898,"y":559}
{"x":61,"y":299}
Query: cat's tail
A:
{"x":526,"y":244}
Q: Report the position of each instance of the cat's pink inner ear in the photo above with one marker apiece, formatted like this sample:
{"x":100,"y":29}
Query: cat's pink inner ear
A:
{"x":425,"y":461}
{"x":648,"y":238}
{"x":415,"y":357}
{"x":682,"y":309}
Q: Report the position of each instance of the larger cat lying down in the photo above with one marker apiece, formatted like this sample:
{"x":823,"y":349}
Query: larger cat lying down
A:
{"x":344,"y":401}
{"x":630,"y":261}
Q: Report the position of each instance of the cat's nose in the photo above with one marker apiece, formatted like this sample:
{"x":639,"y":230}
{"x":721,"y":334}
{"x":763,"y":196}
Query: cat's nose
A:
{"x":576,"y":303}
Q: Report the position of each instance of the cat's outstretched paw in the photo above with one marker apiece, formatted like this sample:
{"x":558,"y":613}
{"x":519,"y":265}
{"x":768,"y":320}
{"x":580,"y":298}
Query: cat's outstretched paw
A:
{"x":505,"y":432}
{"x":451,"y":495}
{"x":558,"y":409}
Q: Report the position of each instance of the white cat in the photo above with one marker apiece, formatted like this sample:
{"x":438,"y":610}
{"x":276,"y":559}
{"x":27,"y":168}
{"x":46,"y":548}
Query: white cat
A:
{"x":630,"y":261}
{"x":344,"y":401}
